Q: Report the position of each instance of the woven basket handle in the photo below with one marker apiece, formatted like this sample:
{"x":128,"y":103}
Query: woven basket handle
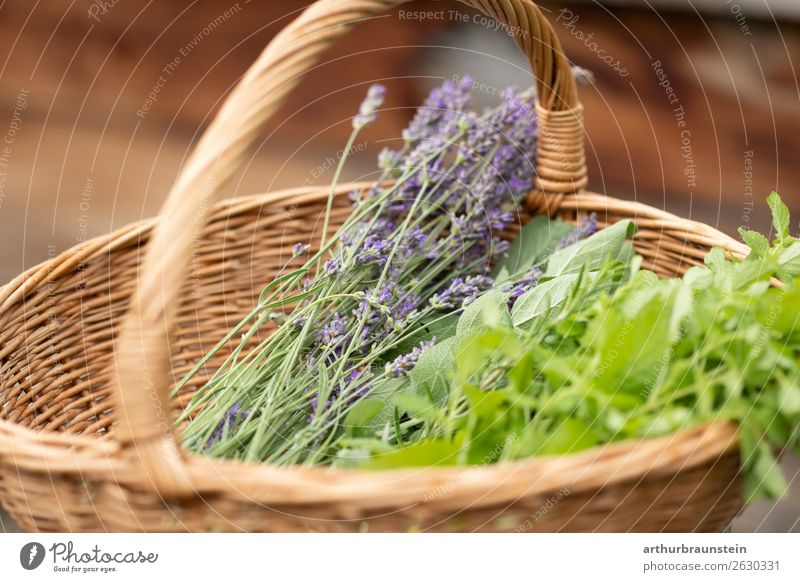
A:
{"x":142,"y":356}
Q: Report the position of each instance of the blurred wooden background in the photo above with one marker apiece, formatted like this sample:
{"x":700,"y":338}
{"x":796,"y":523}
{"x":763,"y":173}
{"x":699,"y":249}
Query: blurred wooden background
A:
{"x":102,"y":101}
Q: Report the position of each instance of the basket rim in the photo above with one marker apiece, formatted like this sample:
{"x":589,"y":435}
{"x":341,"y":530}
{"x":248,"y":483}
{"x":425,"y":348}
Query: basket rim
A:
{"x":99,"y":460}
{"x":95,"y":457}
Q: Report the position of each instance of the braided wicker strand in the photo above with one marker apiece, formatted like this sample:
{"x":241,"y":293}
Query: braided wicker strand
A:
{"x":561,"y":159}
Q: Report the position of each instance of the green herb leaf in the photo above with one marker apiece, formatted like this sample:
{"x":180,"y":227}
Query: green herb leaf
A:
{"x":629,"y":349}
{"x":535,"y":241}
{"x":767,"y":473}
{"x":488,"y":310}
{"x":437,"y":328}
{"x":542,"y":299}
{"x":427,"y":453}
{"x":591,"y":253}
{"x":715,"y":258}
{"x":433,"y":368}
{"x":780,"y":216}
{"x":758,"y":243}
{"x":789,"y":261}
{"x":789,"y":396}
{"x":361,"y":415}
{"x":416,"y":405}
{"x":568,"y":436}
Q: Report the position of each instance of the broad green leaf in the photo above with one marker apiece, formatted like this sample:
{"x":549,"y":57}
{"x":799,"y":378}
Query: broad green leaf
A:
{"x":665,"y":421}
{"x":543,"y":298}
{"x":781,"y":311}
{"x":558,"y":370}
{"x":442,"y":327}
{"x":648,"y":287}
{"x":758,"y":243}
{"x":715,"y":258}
{"x":630,"y":260}
{"x":789,"y":261}
{"x":432,"y":370}
{"x":437,"y":328}
{"x":535,"y":241}
{"x":589,"y":254}
{"x":486,"y":403}
{"x":488,"y":442}
{"x":416,"y":405}
{"x":628,"y":350}
{"x":476,"y":352}
{"x":769,"y":419}
{"x":427,"y":453}
{"x":569,"y":435}
{"x":682,"y":307}
{"x":488,"y":310}
{"x":780,"y":216}
{"x":790,"y":397}
{"x":361,"y":414}
{"x":767,"y":473}
{"x":623,"y":401}
{"x":758,"y":288}
{"x":500,"y":273}
{"x":748,"y":444}
{"x":386,"y":390}
{"x":698,"y":277}
{"x":626,"y":253}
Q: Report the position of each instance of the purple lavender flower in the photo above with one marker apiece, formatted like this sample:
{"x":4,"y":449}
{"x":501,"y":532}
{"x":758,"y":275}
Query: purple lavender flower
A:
{"x":461,"y":292}
{"x":384,"y":311}
{"x":476,"y":189}
{"x":333,"y":266}
{"x":499,"y":247}
{"x":374,"y":250}
{"x":586,"y":228}
{"x":315,"y":406}
{"x":300,"y":249}
{"x":378,"y":298}
{"x":229,"y":420}
{"x":505,"y":139}
{"x":351,"y":390}
{"x":415,"y":238}
{"x":368,"y":110}
{"x":439,"y":115}
{"x":389,"y":159}
{"x":333,"y":332}
{"x":406,"y":307}
{"x":522,"y":286}
{"x":403,"y":364}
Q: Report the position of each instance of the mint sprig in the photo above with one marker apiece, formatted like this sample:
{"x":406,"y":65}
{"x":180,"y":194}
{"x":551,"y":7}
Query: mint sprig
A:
{"x":583,"y":360}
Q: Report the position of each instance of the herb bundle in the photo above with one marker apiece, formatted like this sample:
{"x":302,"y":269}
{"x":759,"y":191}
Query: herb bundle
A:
{"x":415,"y":336}
{"x":417,"y":247}
{"x":569,"y":368}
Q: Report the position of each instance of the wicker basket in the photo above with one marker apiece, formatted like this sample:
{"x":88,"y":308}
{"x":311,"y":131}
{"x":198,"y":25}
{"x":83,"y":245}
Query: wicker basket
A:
{"x":92,"y":341}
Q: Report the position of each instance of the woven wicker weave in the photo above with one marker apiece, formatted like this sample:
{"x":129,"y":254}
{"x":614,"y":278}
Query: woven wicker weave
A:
{"x":92,"y":341}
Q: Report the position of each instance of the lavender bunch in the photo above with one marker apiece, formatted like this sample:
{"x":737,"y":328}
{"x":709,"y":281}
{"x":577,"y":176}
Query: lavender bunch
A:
{"x":416,"y":248}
